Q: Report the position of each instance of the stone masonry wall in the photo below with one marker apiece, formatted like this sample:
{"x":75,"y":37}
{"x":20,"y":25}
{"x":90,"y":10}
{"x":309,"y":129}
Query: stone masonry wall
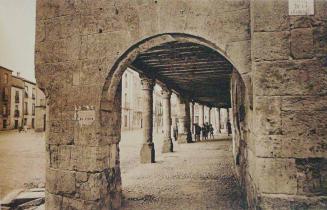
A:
{"x":290,"y":86}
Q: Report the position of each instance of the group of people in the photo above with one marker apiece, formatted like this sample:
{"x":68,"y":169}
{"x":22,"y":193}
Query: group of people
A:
{"x":206,"y":130}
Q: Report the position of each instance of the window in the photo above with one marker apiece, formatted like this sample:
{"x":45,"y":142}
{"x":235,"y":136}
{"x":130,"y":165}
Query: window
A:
{"x":25,"y":121}
{"x":26,"y":91}
{"x":17,"y":96}
{"x":4,"y":110}
{"x":25,"y":108}
{"x":5,"y":94}
{"x":5,"y":78}
{"x":126,"y":100}
{"x":33,"y":93}
{"x":33,"y":109}
{"x":4,"y":123}
{"x":16,"y":111}
{"x":33,"y":123}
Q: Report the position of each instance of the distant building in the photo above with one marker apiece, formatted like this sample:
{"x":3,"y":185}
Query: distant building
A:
{"x":132,"y":102}
{"x":18,"y":102}
{"x":5,"y":98}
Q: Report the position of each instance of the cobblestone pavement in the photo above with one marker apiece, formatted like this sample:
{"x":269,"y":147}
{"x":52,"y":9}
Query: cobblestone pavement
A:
{"x":22,"y":160}
{"x":196,"y":176}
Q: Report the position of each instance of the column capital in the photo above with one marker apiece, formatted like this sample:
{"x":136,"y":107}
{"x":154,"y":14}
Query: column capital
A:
{"x":147,"y":82}
{"x":166,"y":93}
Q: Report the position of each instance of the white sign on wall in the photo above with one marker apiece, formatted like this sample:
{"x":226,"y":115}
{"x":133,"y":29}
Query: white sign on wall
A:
{"x":85,"y":115}
{"x":301,"y":7}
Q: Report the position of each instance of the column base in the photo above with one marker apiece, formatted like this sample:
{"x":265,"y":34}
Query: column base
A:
{"x":184,"y":138}
{"x":167,"y":145}
{"x":147,"y":153}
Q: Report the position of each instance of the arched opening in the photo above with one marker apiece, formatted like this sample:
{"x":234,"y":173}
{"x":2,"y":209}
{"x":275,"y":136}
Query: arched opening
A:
{"x":190,"y":66}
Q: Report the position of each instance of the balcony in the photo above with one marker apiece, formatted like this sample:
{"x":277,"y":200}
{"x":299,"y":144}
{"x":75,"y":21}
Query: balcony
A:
{"x":16,"y":113}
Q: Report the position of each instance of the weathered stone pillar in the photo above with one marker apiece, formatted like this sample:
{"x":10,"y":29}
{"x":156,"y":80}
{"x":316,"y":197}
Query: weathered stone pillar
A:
{"x":147,"y":151}
{"x":201,"y":117}
{"x":210,"y":114}
{"x":192,"y":121}
{"x":167,"y":142}
{"x":219,"y":125}
{"x":184,"y":135}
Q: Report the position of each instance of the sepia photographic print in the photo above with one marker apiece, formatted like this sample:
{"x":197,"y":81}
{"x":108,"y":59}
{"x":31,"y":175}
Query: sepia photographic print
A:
{"x":163,"y":104}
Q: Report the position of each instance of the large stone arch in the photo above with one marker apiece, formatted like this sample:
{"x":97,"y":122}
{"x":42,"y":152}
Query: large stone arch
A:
{"x":76,"y":42}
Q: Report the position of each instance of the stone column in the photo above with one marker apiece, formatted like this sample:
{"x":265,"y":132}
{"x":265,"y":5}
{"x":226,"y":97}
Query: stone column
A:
{"x":167,"y":142}
{"x":192,"y":121}
{"x":147,"y":151}
{"x":201,"y":117}
{"x":219,"y":120}
{"x":184,"y":135}
{"x":209,"y":115}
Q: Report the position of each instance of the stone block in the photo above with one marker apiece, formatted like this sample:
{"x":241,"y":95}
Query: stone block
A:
{"x":286,"y":202}
{"x":277,"y":176}
{"x":305,"y":77}
{"x":105,"y":45}
{"x":101,"y":21}
{"x":287,"y":146}
{"x":303,"y":22}
{"x":76,"y":204}
{"x":61,"y":50}
{"x":229,"y":26}
{"x":311,"y":176}
{"x":320,"y":40}
{"x":48,"y":9}
{"x":94,"y":188}
{"x":270,"y":15}
{"x":304,"y":124}
{"x":90,"y":159}
{"x":268,"y":115}
{"x":304,"y":103}
{"x":302,"y":43}
{"x":53,"y":201}
{"x":61,"y":132}
{"x":62,"y":27}
{"x":60,"y":182}
{"x":270,"y":46}
{"x":240,"y":54}
{"x":40,"y":31}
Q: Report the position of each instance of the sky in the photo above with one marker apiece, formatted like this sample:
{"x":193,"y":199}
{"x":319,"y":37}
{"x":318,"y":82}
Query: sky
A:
{"x":17,"y":36}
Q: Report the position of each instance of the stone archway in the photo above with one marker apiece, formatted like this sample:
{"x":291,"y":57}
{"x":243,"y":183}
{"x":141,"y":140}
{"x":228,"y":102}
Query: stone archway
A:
{"x":76,"y":42}
{"x":110,"y":107}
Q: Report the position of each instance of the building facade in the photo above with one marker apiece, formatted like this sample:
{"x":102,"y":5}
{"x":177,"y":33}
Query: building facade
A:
{"x":17,"y":103}
{"x":5,"y":99}
{"x":19,"y":100}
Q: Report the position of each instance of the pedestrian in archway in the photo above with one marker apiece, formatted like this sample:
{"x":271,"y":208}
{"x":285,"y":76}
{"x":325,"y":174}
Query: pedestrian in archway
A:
{"x":211,"y":131}
{"x":197,"y":132}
